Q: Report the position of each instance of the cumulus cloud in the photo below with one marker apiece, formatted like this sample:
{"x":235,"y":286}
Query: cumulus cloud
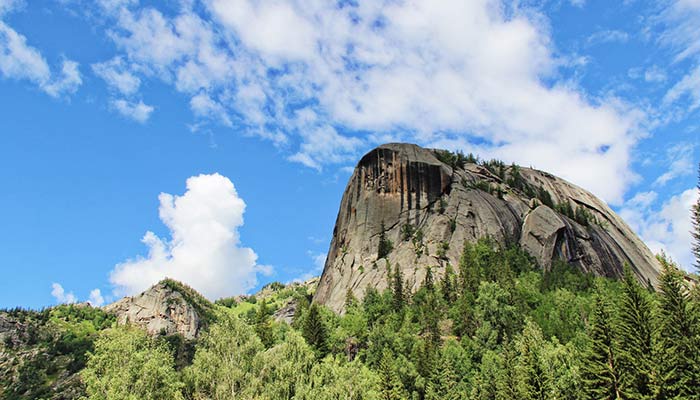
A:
{"x":60,"y":294}
{"x":137,"y":111}
{"x":204,"y":249}
{"x":96,"y":299}
{"x":667,"y":228}
{"x":20,"y":61}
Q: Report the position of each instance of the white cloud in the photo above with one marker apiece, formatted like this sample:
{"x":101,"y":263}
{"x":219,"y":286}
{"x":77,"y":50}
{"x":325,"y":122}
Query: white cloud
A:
{"x":655,"y":74}
{"x":667,"y":228}
{"x":139,"y":112}
{"x":68,"y":82}
{"x":60,"y":294}
{"x":608,"y":36}
{"x":318,"y":261}
{"x":204,"y":249}
{"x":679,"y":158}
{"x":9,"y":5}
{"x":115,"y":72}
{"x":328,"y":81}
{"x":18,"y":60}
{"x":204,"y":106}
{"x":96,"y":299}
{"x":688,"y":86}
{"x":680,"y":20}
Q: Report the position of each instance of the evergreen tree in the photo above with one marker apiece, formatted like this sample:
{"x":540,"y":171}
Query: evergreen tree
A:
{"x":397,"y":289}
{"x":635,"y":329}
{"x":385,"y":245}
{"x":696,"y":227}
{"x":677,"y":352}
{"x":533,"y":378}
{"x":431,"y":310}
{"x":314,"y":331}
{"x":263,"y":324}
{"x":390,"y":386}
{"x":510,"y":385}
{"x":469,"y":271}
{"x":447,"y":285}
{"x":601,"y":372}
{"x":443,"y":383}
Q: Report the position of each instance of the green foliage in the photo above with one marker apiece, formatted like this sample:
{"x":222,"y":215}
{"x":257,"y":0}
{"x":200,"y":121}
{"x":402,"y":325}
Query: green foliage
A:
{"x":407,"y":231}
{"x":315,"y":332}
{"x":454,"y":160}
{"x":263,"y":324}
{"x":385,"y":245}
{"x":635,"y":341}
{"x":601,"y":368}
{"x":695,"y":219}
{"x":221,"y":366}
{"x":679,"y":348}
{"x":497,"y":328}
{"x":204,"y":308}
{"x":127,"y":364}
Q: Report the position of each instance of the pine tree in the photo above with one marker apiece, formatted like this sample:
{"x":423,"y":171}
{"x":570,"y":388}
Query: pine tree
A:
{"x":447,"y":284}
{"x":431,"y":310}
{"x":314,"y":331}
{"x":390,"y":386}
{"x":534,"y":381}
{"x":263,"y":324}
{"x":443,"y":383}
{"x":601,"y":372}
{"x":677,"y":351}
{"x":696,"y":227}
{"x":469,"y":274}
{"x":397,"y":290}
{"x":635,"y":328}
{"x":385,"y":245}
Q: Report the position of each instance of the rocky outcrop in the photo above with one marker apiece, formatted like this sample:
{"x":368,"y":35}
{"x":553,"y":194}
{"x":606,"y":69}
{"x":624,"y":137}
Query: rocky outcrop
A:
{"x":168,"y":308}
{"x":428,"y":209}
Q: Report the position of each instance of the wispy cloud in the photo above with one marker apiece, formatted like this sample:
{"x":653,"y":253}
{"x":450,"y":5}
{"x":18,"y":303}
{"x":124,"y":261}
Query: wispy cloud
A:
{"x":608,"y":36}
{"x":679,"y":159}
{"x":334,"y":80}
{"x":20,"y":61}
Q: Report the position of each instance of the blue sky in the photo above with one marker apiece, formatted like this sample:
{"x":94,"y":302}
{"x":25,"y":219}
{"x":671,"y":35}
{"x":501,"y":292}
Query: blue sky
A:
{"x":211,"y":140}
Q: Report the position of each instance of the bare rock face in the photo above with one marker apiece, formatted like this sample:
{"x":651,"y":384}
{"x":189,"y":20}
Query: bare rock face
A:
{"x":166,"y":308}
{"x":429,"y":208}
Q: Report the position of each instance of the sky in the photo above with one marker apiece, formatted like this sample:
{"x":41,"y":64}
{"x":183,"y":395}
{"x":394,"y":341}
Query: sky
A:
{"x":211,"y":140}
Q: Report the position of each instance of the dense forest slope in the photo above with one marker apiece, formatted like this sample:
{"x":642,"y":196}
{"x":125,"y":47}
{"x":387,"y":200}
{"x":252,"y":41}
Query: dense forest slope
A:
{"x":413,"y":207}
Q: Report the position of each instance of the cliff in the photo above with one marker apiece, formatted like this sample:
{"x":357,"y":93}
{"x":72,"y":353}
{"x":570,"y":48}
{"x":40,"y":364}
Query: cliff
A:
{"x":427,"y":203}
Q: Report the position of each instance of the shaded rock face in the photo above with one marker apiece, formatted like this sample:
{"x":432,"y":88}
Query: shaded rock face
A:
{"x":404,"y":186}
{"x":159,"y":309}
